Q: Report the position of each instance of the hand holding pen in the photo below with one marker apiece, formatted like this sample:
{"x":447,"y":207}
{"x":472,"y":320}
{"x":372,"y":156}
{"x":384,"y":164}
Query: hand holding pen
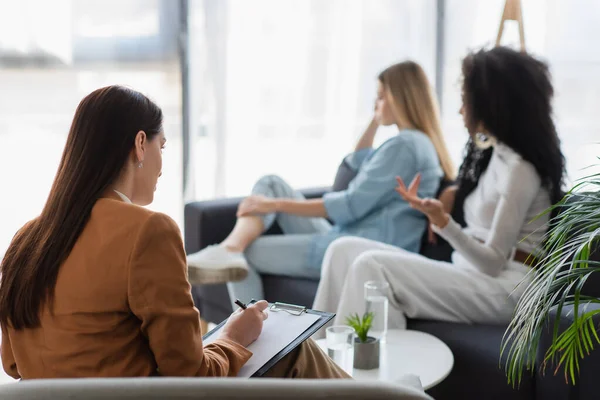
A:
{"x":245,"y":324}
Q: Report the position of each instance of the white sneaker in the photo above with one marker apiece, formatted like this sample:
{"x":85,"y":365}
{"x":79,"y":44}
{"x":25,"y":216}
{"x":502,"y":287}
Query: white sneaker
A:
{"x":215,"y":264}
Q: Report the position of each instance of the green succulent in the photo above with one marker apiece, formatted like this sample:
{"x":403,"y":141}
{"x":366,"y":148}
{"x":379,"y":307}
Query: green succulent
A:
{"x":361,"y":325}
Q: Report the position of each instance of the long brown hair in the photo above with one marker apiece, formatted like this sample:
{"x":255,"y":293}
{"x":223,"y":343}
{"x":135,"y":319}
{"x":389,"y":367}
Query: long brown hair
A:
{"x":100,"y":141}
{"x":412,"y":98}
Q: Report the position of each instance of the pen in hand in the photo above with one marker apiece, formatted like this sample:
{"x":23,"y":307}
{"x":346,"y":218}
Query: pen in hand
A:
{"x":245,"y":324}
{"x":239,"y":303}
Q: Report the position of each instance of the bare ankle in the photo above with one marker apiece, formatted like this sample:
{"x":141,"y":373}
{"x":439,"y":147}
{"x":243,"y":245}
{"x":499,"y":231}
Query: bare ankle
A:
{"x":232,"y":247}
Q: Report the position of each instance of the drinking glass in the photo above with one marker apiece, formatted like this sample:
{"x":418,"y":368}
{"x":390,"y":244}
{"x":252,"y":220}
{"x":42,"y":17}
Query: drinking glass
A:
{"x":376,"y":301}
{"x":340,"y":346}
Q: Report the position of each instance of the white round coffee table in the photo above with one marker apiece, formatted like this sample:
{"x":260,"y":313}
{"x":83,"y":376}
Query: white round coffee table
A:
{"x":408,"y":352}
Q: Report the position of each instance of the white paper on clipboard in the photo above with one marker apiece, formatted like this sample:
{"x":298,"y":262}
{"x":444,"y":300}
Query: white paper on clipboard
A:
{"x":279,"y":330}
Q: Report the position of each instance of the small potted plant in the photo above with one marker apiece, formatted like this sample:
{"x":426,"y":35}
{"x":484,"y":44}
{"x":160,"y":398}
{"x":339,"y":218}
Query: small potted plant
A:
{"x":366,"y":348}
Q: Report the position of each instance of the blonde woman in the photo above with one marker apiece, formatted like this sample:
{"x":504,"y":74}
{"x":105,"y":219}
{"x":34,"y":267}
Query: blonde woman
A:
{"x":368,"y":208}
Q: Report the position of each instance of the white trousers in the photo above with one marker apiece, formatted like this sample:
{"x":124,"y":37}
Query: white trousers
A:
{"x":420,"y":287}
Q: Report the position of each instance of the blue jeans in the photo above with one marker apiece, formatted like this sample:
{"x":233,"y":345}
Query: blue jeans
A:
{"x":285,"y":254}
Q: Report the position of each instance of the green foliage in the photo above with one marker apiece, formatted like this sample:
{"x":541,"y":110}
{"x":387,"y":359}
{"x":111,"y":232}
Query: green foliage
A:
{"x":361,"y":325}
{"x":557,"y":282}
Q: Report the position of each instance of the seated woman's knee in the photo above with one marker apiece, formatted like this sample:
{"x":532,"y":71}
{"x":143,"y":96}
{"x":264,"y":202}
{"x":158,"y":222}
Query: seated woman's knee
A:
{"x":343,"y":250}
{"x":372,"y":265}
{"x":271,"y":179}
{"x":344,"y":244}
{"x":365,"y":262}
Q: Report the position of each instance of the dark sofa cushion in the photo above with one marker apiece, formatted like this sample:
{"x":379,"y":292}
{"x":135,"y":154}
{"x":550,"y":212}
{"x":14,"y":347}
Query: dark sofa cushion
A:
{"x":441,"y":250}
{"x":290,"y":290}
{"x":477,"y":372}
{"x":343,"y":176}
{"x":212,"y":301}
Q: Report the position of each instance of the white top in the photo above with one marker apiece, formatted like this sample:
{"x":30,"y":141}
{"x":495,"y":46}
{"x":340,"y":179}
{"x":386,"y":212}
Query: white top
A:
{"x":501,"y":213}
{"x":122,"y":196}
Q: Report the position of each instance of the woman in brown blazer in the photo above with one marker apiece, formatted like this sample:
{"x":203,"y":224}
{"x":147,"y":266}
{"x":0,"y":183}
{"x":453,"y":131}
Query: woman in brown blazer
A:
{"x":96,"y":286}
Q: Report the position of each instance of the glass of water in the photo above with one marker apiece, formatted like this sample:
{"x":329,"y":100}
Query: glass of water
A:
{"x":340,"y":346}
{"x":376,"y":299}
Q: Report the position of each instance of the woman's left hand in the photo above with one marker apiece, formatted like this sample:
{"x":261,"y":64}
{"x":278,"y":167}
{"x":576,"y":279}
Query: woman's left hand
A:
{"x":432,"y":208}
{"x":256,"y":205}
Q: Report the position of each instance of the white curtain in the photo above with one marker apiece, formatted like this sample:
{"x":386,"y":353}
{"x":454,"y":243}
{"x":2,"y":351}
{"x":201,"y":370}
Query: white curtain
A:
{"x":42,"y":79}
{"x":292,"y":83}
{"x":565,"y":33}
{"x":287,"y":85}
{"x":35,"y":28}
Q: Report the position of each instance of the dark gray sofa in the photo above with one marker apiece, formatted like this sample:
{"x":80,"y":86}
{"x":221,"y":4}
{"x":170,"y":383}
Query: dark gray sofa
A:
{"x":478,"y":372}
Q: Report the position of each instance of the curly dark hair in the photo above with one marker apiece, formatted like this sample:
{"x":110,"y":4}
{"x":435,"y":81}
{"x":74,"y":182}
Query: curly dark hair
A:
{"x":509,"y":93}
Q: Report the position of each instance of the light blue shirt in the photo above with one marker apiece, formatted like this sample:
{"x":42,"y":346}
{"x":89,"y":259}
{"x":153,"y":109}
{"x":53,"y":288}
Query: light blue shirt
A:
{"x":370,"y":207}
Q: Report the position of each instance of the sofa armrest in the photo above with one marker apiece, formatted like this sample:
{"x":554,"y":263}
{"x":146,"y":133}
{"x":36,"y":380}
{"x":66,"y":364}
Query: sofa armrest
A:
{"x":206,"y":388}
{"x":551,"y":384}
{"x":209,"y":222}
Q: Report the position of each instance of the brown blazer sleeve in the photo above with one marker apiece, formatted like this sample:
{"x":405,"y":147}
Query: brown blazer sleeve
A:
{"x":160,"y":296}
{"x":8,"y":359}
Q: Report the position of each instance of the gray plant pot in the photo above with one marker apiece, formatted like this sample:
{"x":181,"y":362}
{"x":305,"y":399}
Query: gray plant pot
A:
{"x":366,"y":355}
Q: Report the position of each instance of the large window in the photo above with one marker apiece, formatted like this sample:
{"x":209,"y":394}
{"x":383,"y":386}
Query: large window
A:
{"x":52,"y":54}
{"x":286,"y":86}
{"x":274,"y":86}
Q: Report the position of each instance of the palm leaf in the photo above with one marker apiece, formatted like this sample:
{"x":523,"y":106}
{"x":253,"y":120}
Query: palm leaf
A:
{"x":558,"y":282}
